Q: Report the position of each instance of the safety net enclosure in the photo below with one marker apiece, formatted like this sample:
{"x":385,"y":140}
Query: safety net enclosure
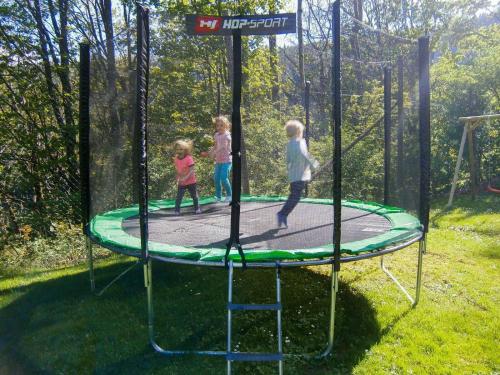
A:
{"x":233,"y":141}
{"x":380,"y":147}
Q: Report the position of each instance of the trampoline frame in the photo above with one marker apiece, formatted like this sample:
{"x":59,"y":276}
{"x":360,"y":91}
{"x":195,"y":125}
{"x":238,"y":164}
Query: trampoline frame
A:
{"x":146,"y":259}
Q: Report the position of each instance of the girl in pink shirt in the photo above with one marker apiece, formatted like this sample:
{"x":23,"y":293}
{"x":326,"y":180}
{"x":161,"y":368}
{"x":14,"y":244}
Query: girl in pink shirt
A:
{"x":221,"y":152}
{"x":186,"y":179}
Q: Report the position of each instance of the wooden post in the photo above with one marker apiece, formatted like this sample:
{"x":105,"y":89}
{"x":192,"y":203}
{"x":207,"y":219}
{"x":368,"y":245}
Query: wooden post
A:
{"x":457,"y":167}
{"x":472,"y":161}
{"x":471,"y":123}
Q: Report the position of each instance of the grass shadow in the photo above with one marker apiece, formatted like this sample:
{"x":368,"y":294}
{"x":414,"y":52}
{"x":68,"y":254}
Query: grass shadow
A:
{"x":57,"y":325}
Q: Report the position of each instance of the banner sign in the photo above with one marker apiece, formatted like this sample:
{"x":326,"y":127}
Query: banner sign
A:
{"x":249,"y":25}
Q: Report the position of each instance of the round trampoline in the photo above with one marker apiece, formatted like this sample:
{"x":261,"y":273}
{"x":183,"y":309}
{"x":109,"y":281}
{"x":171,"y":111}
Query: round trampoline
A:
{"x":124,"y":161}
{"x":366,"y":227}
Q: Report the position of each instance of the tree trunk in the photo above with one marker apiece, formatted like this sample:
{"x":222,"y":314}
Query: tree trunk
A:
{"x":358,"y":14}
{"x":301,"y":48}
{"x":111,"y":74}
{"x":69,"y":132}
{"x":47,"y":69}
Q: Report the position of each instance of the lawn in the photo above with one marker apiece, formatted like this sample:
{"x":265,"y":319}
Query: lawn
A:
{"x":51,"y":323}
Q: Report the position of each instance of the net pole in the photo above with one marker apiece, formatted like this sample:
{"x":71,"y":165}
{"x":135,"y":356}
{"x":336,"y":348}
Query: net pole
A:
{"x":236,"y":141}
{"x":84,"y":133}
{"x":400,"y":133}
{"x":337,"y":144}
{"x":337,"y":164}
{"x":387,"y":134}
{"x":424,"y":129}
{"x":141,"y":123}
{"x":84,"y":150}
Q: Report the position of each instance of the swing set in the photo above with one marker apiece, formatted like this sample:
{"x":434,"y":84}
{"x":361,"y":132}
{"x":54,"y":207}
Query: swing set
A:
{"x":471,"y":123}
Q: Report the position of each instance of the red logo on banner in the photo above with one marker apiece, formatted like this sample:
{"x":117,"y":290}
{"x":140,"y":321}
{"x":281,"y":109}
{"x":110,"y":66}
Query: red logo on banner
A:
{"x":207,"y":24}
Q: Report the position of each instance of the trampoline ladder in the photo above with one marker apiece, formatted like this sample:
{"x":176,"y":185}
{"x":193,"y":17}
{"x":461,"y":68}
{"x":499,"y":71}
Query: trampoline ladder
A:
{"x":232,"y":356}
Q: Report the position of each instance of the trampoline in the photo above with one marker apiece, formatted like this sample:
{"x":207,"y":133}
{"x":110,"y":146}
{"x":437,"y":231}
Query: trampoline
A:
{"x":125,"y":163}
{"x":366,"y":227}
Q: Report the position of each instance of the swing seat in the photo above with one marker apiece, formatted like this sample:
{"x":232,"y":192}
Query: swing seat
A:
{"x":492,"y":189}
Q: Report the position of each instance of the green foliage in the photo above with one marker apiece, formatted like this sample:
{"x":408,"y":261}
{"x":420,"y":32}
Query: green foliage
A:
{"x":465,"y":83}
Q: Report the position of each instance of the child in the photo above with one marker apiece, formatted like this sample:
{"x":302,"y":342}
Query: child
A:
{"x":298,"y":163}
{"x":221,"y":152}
{"x":186,"y":179}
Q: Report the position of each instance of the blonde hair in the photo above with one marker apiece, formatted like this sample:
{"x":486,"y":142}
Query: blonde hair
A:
{"x":184,"y":144}
{"x":222,"y":120}
{"x":294,"y":128}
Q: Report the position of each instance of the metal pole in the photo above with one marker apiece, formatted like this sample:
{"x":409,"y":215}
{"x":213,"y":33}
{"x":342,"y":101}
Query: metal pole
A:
{"x":421,"y":252}
{"x":333,"y":300}
{"x":90,"y":261}
{"x":278,"y":301}
{"x":229,"y":313}
{"x":148,"y":283}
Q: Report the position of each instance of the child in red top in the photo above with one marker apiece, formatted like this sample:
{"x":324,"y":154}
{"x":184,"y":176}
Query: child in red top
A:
{"x":186,"y":179}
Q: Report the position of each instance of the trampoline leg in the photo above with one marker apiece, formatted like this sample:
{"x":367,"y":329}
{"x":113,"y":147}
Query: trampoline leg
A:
{"x":335,"y":288}
{"x":229,"y":315}
{"x":421,"y":252}
{"x":90,"y":260}
{"x":396,"y":281}
{"x":148,"y":283}
{"x":101,"y":292}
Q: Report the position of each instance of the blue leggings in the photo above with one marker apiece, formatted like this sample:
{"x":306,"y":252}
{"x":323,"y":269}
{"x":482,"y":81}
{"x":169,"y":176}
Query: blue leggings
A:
{"x":296,"y":188}
{"x":221,"y":177}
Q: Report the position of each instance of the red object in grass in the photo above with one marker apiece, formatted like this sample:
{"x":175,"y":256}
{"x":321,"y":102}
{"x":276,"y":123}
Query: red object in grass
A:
{"x":492,"y":189}
{"x":203,"y":154}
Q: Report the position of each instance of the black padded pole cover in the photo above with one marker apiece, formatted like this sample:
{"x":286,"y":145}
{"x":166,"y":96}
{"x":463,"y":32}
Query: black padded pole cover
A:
{"x":140,"y":129}
{"x":425,"y":128}
{"x":387,"y":134}
{"x":400,"y":139}
{"x":236,"y":141}
{"x":337,"y":144}
{"x":84,"y":130}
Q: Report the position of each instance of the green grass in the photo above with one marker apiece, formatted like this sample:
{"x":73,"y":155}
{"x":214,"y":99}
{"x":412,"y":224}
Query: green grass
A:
{"x":51,"y":323}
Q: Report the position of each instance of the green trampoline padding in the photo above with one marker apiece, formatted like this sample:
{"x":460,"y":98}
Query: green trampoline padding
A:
{"x":364,"y":221}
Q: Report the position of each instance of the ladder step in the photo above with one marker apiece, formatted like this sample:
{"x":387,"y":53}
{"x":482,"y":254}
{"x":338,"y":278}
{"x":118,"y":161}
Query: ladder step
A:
{"x":254,"y":357}
{"x":255,"y":307}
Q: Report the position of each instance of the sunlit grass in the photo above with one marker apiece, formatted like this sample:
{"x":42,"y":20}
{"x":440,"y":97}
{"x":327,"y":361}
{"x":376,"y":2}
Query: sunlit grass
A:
{"x":51,"y":323}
